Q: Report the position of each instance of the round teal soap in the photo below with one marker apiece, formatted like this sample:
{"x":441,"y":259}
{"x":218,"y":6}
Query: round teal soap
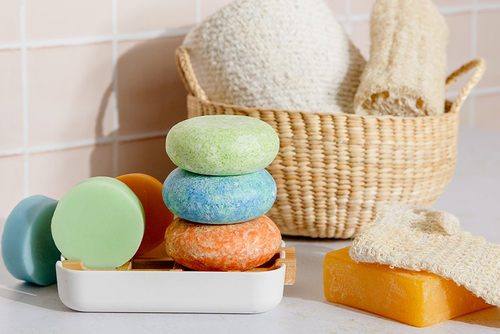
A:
{"x":28,"y":250}
{"x":219,"y":199}
{"x":100,"y":221}
{"x":222,"y":145}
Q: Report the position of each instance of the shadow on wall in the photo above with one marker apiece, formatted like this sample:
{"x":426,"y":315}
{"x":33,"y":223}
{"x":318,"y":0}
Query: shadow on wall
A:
{"x":151,"y":99}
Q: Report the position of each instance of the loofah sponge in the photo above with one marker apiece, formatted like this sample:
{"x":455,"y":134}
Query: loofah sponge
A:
{"x":279,"y":54}
{"x":417,"y":238}
{"x":405,"y":75}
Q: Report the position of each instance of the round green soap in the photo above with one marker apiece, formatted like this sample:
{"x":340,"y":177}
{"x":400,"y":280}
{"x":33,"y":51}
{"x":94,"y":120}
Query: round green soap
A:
{"x":222,"y":145}
{"x":99,"y":221}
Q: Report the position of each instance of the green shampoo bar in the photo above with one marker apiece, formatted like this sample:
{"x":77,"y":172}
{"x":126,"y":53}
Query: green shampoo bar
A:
{"x":100,"y":221}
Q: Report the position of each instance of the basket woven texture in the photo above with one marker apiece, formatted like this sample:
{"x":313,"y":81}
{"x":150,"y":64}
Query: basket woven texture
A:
{"x":334,"y":170}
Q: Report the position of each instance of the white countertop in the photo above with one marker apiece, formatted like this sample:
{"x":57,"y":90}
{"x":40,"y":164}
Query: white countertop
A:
{"x":473,"y":196}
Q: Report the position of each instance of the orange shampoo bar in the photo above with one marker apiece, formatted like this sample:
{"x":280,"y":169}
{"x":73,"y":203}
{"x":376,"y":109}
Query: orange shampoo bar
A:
{"x":416,"y":298}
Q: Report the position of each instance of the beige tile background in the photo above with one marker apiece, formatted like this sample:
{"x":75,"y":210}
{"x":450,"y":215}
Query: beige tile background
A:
{"x":55,"y":19}
{"x":11,"y":101}
{"x":90,"y":87}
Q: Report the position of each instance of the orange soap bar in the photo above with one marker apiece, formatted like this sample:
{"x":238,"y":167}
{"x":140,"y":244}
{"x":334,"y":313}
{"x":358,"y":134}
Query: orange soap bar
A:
{"x":240,"y":246}
{"x":157,"y":215}
{"x":414,"y":297}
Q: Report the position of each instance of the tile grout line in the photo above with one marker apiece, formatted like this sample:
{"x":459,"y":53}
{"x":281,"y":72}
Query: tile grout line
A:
{"x":152,"y":34}
{"x":198,"y":12}
{"x":472,"y":108}
{"x":10,"y":46}
{"x":450,"y":10}
{"x":355,"y":17}
{"x":76,"y":41}
{"x":116,"y":120}
{"x":476,"y":92}
{"x":12,"y":152}
{"x":487,"y":6}
{"x":348,"y":18}
{"x":348,"y":22}
{"x":87,"y":142}
{"x":473,"y":50}
{"x":24,"y":94}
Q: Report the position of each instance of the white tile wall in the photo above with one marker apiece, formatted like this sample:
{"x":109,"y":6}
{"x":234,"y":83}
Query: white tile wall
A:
{"x":351,"y":17}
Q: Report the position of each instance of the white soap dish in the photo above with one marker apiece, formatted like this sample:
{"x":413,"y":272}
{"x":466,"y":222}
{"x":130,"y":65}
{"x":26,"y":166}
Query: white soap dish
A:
{"x":161,"y":285}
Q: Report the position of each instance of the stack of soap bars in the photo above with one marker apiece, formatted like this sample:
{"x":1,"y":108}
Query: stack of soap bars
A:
{"x":220,"y":193}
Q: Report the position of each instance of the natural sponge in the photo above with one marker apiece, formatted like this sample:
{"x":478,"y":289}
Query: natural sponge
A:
{"x":419,"y":238}
{"x":405,"y":75}
{"x":280,"y":54}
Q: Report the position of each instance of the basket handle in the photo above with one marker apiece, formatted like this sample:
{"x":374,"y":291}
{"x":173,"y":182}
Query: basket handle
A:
{"x":480,"y":65}
{"x":187,"y":73}
{"x":189,"y":78}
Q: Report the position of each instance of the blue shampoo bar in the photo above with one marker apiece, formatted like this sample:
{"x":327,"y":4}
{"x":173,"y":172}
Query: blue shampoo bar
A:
{"x":219,"y":199}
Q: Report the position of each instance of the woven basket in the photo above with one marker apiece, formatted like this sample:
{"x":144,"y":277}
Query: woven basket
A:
{"x":334,"y":170}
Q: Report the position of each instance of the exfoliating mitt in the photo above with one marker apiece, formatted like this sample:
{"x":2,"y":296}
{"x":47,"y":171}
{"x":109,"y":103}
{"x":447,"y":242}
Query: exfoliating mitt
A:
{"x":405,"y":75}
{"x":278,"y":54}
{"x":418,"y":238}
